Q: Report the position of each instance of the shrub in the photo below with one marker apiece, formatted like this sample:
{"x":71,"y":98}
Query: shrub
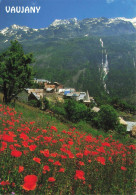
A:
{"x":75,"y":111}
{"x":107,"y":118}
{"x":120,"y":129}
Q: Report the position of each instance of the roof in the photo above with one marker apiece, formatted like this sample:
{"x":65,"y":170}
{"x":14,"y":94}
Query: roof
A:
{"x":35,"y":95}
{"x":50,"y":86}
{"x":122,"y":121}
{"x":41,"y":80}
{"x":69,"y":94}
{"x":49,"y":89}
{"x":95,"y":109}
{"x":66,"y":92}
{"x":35,"y":90}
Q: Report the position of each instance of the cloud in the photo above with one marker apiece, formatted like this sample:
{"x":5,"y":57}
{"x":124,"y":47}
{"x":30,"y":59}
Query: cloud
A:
{"x":110,"y":1}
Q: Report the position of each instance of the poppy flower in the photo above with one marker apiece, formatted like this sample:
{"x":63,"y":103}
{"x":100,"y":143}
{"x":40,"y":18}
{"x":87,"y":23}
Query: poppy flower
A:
{"x":32,"y":147}
{"x":57,"y":163}
{"x":46,"y":168}
{"x":4,"y":183}
{"x":51,"y":179}
{"x":79,"y":155}
{"x":16,"y":153}
{"x":81,"y":163}
{"x":37,"y":160}
{"x":101,"y":160}
{"x":123,"y":168}
{"x":21,"y":169}
{"x":62,"y":170}
{"x":7,"y":138}
{"x":30,"y":182}
{"x":79,"y":175}
{"x":53,"y":128}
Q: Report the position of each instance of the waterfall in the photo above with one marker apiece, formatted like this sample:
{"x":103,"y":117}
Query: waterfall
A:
{"x":104,"y":64}
{"x":134,"y":63}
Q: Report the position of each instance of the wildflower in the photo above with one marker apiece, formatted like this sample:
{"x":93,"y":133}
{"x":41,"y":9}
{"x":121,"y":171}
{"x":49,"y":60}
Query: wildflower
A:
{"x":57,"y":163}
{"x":79,"y":155}
{"x":101,"y":149}
{"x":37,"y":160}
{"x":32,"y":147}
{"x":81,"y":163}
{"x":4,"y":183}
{"x":51,"y":179}
{"x":46,"y":168}
{"x":101,"y":160}
{"x":53,"y":128}
{"x":79,"y":175}
{"x":62,"y":170}
{"x":30,"y":182}
{"x":123,"y":168}
{"x":106,"y":144}
{"x":7,"y":138}
{"x":21,"y":169}
{"x":16,"y":153}
{"x":24,"y":136}
{"x":45,"y":152}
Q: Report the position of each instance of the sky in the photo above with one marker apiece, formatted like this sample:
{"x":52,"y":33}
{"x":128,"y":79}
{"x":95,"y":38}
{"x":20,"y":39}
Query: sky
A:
{"x":64,"y":9}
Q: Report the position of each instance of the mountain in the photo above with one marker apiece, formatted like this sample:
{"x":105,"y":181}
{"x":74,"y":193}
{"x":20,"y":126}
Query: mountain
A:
{"x":95,"y":54}
{"x":73,"y":28}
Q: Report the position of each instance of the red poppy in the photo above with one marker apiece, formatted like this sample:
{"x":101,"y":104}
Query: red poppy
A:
{"x":32,"y":147}
{"x":101,"y":160}
{"x":53,"y":128}
{"x":81,"y":163}
{"x":55,"y":154}
{"x":4,"y":183}
{"x":106,"y":144}
{"x":79,"y":175}
{"x":79,"y":155}
{"x":21,"y":169}
{"x":57,"y":163}
{"x":51,"y":179}
{"x":24,"y":136}
{"x":101,"y":149}
{"x":45,"y":152}
{"x":30,"y":182}
{"x":62,"y":170}
{"x":123,"y":168}
{"x":46,"y":168}
{"x":7,"y":138}
{"x":37,"y":160}
{"x":16,"y":153}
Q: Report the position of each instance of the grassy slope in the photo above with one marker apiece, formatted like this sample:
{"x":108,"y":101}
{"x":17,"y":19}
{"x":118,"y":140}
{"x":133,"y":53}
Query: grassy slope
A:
{"x":44,"y":119}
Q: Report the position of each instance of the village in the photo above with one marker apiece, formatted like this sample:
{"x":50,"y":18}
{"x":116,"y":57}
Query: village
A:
{"x":54,"y":92}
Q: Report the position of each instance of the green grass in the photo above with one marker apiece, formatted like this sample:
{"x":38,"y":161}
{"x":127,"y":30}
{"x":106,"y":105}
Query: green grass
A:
{"x":44,"y":119}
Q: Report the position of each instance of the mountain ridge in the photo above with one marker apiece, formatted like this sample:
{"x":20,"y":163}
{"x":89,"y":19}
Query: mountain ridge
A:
{"x":75,"y":28}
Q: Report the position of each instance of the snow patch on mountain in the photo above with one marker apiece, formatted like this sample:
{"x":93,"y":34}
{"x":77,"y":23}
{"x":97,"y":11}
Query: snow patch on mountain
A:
{"x":4,"y":31}
{"x":115,"y":20}
{"x":59,"y":22}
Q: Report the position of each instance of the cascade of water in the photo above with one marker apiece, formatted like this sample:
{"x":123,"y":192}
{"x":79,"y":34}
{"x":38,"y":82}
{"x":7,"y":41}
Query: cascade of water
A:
{"x":134,"y":63}
{"x":104,"y":64}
